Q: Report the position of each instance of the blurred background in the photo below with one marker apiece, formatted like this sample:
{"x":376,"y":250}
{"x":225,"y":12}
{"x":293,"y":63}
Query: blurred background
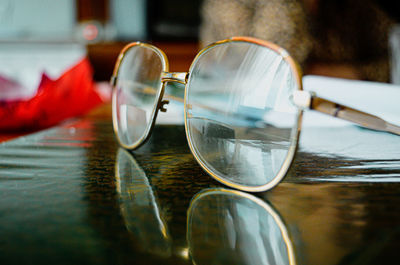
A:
{"x":56,"y":57}
{"x":103,"y":27}
{"x":51,"y":36}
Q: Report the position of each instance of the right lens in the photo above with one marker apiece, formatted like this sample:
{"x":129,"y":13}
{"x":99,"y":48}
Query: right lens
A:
{"x":241,"y":124}
{"x":137,"y":90}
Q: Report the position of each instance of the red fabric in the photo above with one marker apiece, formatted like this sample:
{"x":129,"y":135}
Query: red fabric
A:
{"x":72,"y":94}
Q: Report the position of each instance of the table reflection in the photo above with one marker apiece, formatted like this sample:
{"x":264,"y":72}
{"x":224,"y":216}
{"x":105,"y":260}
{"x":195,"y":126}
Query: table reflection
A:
{"x":139,"y":207}
{"x":222,"y":225}
{"x":232,"y":227}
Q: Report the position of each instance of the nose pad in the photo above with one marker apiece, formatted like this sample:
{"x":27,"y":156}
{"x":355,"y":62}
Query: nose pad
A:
{"x":162,"y":105}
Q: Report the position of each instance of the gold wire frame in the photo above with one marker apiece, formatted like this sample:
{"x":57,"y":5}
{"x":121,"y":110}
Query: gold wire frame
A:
{"x":294,"y":137}
{"x":159,"y":95}
{"x":268,"y":208}
{"x":307,"y":100}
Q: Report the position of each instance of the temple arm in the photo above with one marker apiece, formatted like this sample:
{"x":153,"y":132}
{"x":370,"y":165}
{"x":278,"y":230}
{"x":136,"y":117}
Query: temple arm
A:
{"x":308,"y":100}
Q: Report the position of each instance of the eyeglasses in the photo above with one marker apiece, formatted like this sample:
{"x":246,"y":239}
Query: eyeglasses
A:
{"x":243,"y":105}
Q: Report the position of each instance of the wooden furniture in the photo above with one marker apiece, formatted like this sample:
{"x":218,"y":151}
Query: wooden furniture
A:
{"x":104,"y":55}
{"x":70,"y":195}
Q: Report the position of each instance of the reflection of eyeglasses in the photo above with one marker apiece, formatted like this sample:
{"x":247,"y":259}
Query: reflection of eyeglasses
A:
{"x":242,"y":106}
{"x":218,"y":219}
{"x":140,"y":207}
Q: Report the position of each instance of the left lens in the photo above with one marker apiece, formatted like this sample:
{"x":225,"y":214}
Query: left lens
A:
{"x":240,"y":122}
{"x":137,"y":90}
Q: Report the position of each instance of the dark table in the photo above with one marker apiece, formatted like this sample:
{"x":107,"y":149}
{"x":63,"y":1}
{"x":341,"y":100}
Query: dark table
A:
{"x":70,"y":195}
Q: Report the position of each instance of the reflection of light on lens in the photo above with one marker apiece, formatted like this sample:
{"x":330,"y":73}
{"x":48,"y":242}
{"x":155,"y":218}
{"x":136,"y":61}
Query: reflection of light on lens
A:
{"x":248,"y":88}
{"x":90,"y":32}
{"x":134,"y":108}
{"x":184,"y":253}
{"x":163,"y":229}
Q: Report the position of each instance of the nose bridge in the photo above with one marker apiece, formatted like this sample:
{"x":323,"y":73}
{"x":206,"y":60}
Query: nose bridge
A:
{"x":180,"y":77}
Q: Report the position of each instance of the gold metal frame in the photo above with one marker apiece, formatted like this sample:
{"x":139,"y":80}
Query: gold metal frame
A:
{"x":302,"y":99}
{"x":275,"y":215}
{"x":159,"y":96}
{"x":292,"y":150}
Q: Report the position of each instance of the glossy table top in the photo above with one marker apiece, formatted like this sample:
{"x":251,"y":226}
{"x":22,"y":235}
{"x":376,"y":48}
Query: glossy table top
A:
{"x":70,"y":195}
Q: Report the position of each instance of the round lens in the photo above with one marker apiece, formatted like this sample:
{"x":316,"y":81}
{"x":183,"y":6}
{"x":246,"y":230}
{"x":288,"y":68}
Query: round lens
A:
{"x":241,"y":124}
{"x":137,"y":90}
{"x":228,"y":227}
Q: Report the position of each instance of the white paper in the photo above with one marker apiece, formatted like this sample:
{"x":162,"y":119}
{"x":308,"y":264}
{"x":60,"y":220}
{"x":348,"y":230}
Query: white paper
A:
{"x":25,"y":62}
{"x":379,"y":99}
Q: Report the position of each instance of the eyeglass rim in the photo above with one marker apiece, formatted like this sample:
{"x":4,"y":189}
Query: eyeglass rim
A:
{"x":159,"y":96}
{"x":294,"y":137}
{"x":262,"y":203}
